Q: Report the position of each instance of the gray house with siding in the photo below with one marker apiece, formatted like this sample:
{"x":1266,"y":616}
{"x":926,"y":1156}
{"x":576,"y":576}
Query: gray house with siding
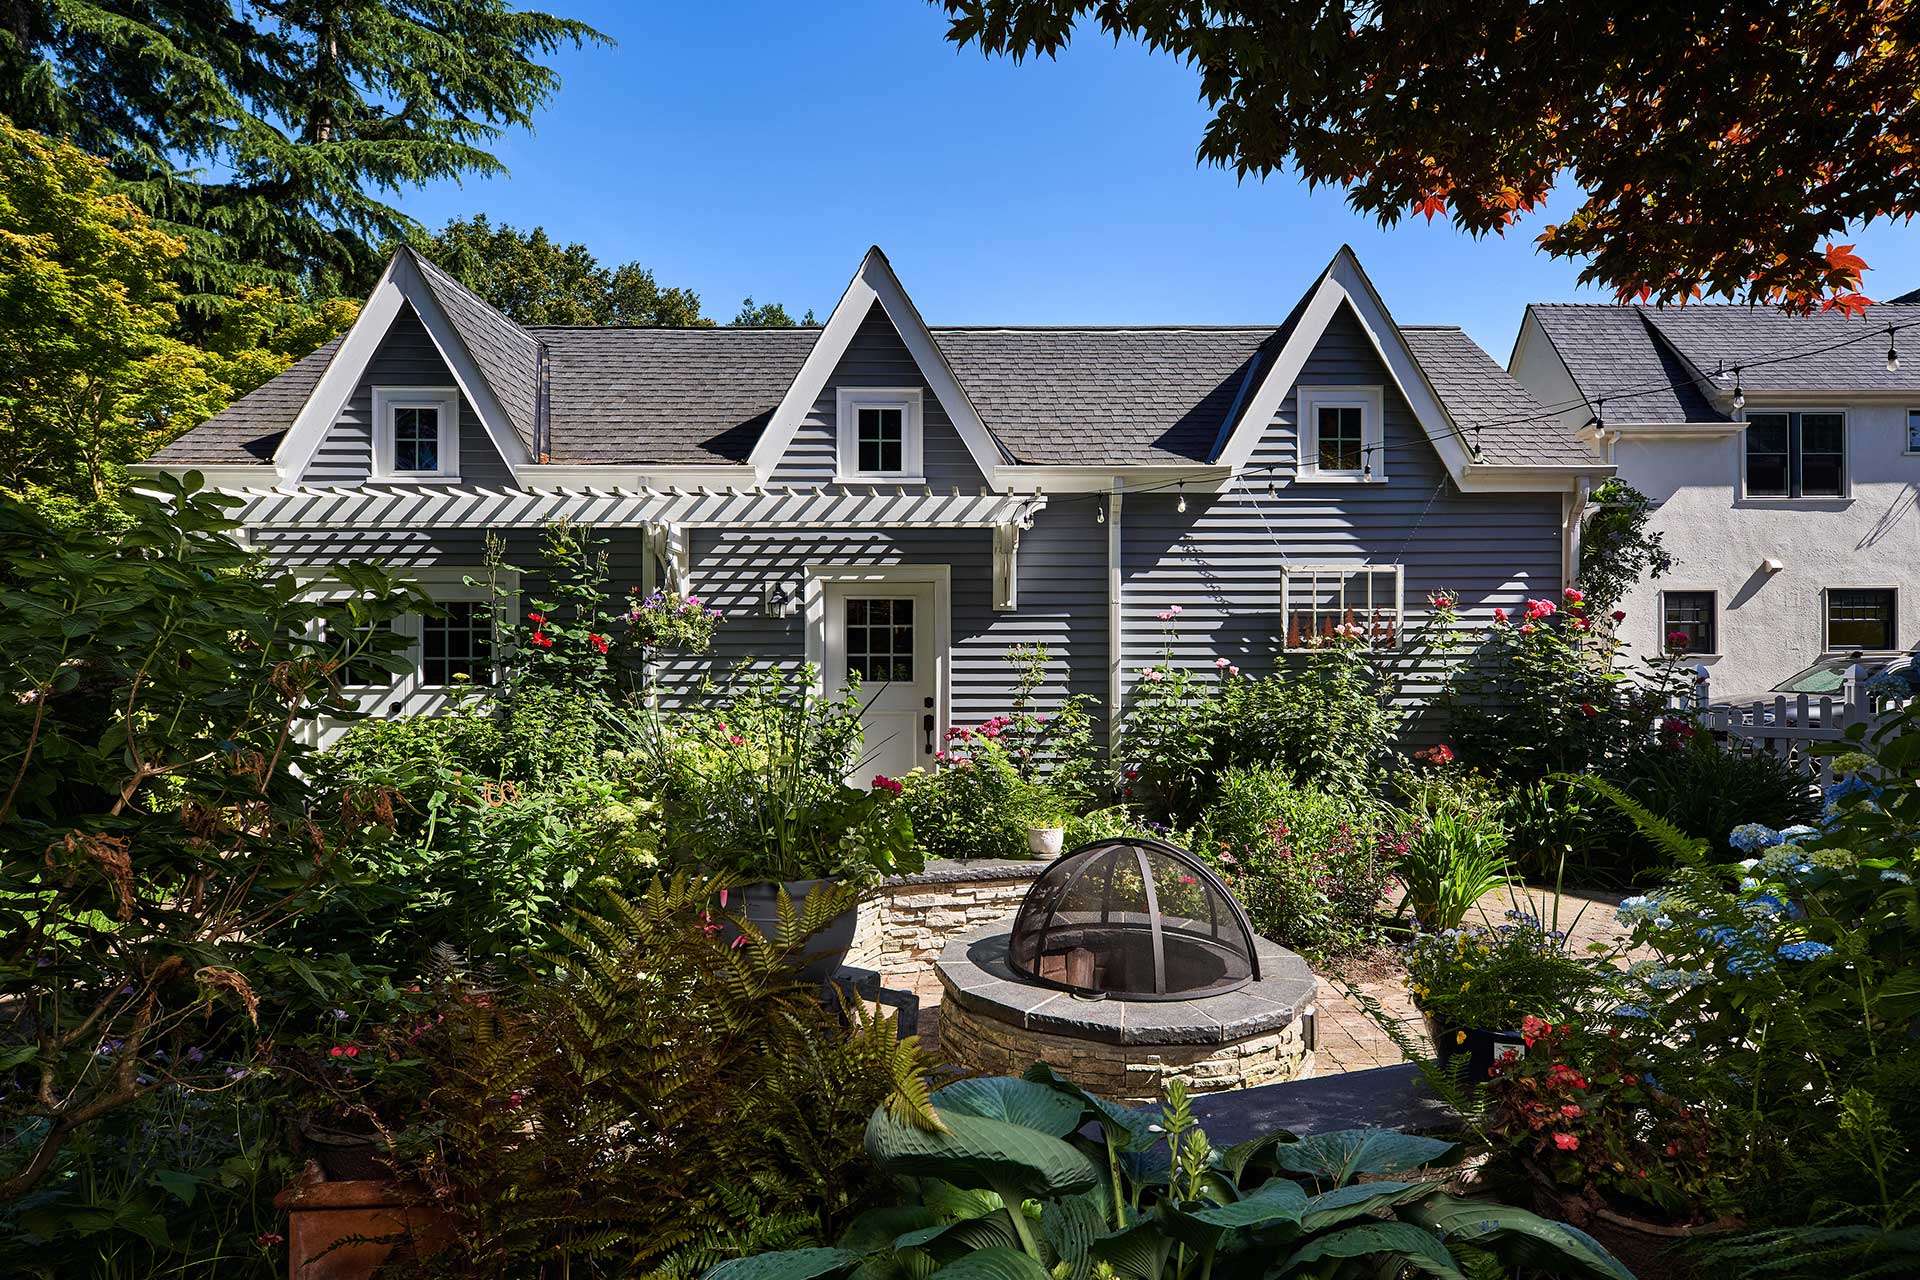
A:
{"x":911,"y":503}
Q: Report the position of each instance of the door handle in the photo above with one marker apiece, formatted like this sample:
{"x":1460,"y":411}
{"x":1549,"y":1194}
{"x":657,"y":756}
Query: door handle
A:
{"x":926,"y":725}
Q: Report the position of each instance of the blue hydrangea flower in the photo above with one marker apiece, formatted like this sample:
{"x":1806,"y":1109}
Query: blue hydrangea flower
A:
{"x":1805,"y":951}
{"x":1749,"y":837}
{"x":1630,"y":1011}
{"x":1796,"y":833}
{"x":1637,"y":909}
{"x":1898,"y":877}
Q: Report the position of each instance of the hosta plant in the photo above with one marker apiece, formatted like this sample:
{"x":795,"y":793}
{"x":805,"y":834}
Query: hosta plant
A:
{"x":1036,"y":1179}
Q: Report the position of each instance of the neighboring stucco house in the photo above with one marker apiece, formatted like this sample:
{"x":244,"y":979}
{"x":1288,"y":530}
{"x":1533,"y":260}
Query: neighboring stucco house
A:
{"x":911,"y":503}
{"x":1784,"y":452}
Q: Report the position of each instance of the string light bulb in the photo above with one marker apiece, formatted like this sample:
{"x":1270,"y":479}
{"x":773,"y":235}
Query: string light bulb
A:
{"x":1893,"y":355}
{"x":1100,"y":514}
{"x":1180,"y":504}
{"x":1739,"y":396}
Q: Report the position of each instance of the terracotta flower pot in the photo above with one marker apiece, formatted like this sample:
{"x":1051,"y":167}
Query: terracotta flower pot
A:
{"x":387,"y":1222}
{"x":826,"y":949}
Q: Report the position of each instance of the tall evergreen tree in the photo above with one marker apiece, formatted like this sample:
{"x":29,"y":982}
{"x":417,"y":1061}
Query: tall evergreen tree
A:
{"x":268,"y":135}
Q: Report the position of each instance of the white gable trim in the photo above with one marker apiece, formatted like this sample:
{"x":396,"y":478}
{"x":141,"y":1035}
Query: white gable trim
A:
{"x":1345,"y":284}
{"x":400,"y":283}
{"x":874,"y":282}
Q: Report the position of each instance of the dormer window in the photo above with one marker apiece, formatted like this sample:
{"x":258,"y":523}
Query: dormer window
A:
{"x":1341,"y":434}
{"x":416,"y":433}
{"x":879,"y":436}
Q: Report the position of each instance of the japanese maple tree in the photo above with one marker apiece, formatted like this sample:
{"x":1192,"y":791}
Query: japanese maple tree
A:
{"x":1721,"y":146}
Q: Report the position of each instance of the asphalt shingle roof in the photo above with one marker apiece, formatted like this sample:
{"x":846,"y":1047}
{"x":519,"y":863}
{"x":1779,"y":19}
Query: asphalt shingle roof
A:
{"x":1613,"y":351}
{"x":1709,"y":336}
{"x":1513,"y":427}
{"x":1103,"y":396}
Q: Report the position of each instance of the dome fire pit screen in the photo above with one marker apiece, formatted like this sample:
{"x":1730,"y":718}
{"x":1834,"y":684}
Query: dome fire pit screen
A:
{"x":1133,"y":920}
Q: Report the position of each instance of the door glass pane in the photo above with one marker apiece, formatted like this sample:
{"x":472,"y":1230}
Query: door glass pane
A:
{"x":880,"y":644}
{"x":416,"y":439}
{"x":1688,"y":613}
{"x":882,"y":442}
{"x":1767,"y":474}
{"x":1860,"y":620}
{"x":358,"y":672}
{"x":1823,"y":444}
{"x":458,"y":646}
{"x":1340,"y":443}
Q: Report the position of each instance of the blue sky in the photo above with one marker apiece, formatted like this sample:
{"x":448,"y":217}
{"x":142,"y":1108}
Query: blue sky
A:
{"x":749,"y":147}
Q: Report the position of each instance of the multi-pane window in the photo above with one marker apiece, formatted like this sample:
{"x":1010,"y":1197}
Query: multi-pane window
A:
{"x":1796,"y":455}
{"x":1861,"y":619}
{"x":1320,"y":606}
{"x":358,"y":671}
{"x":1687,"y":614}
{"x":416,"y":438}
{"x":1341,"y":442}
{"x":882,"y":440}
{"x":880,"y":639}
{"x":457,"y":645}
{"x":1913,"y":431}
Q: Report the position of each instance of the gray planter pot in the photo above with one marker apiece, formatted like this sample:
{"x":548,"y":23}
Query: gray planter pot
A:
{"x":824,"y":951}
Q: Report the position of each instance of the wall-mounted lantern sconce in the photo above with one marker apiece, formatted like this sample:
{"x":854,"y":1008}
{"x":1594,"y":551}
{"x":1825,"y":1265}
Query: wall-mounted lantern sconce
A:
{"x":779,"y":599}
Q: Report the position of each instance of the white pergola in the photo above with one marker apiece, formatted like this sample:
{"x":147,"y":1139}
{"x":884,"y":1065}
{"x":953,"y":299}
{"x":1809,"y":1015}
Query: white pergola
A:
{"x":665,"y":514}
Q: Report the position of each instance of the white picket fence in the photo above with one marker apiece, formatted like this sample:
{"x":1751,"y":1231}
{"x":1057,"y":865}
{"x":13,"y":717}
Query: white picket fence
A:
{"x":1787,"y":727}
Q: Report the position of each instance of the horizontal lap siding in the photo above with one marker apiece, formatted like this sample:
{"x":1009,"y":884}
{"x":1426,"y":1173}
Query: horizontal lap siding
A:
{"x":406,"y":358}
{"x":1063,"y":603}
{"x":877,"y":358}
{"x":1221,"y":561}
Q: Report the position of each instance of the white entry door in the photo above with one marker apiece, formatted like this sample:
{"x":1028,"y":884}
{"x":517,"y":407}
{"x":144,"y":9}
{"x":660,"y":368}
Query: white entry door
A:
{"x":884,"y":632}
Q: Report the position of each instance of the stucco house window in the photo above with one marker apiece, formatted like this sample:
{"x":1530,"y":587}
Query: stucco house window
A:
{"x":1341,"y":434}
{"x":878,"y":434}
{"x":1689,"y":614}
{"x":1913,"y":431}
{"x":416,"y":433}
{"x":1320,"y":604}
{"x":1796,"y":455}
{"x":1862,"y":619}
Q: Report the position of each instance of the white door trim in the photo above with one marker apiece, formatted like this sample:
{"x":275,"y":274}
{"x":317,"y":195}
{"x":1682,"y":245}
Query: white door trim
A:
{"x":939,"y":576}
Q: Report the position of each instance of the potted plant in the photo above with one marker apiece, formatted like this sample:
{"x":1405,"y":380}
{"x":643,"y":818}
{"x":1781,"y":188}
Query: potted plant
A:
{"x":1046,"y":816}
{"x":758,"y":791}
{"x":1606,"y":1149}
{"x":1476,"y":986}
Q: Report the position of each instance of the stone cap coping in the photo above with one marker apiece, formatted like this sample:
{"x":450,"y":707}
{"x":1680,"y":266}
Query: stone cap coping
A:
{"x":963,"y":871}
{"x":974,"y":974}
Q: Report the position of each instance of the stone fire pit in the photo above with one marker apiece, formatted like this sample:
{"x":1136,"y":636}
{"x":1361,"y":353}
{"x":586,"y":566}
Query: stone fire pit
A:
{"x":995,"y":1021}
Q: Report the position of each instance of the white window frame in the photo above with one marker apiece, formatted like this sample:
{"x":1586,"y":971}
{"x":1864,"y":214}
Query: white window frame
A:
{"x":445,"y":400}
{"x":1313,"y":574}
{"x":1719,"y":640}
{"x":1826,"y":615}
{"x":848,"y":401}
{"x":1370,"y":400}
{"x":1912,"y":425}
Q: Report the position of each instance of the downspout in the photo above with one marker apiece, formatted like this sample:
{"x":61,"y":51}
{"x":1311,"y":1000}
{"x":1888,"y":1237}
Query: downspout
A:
{"x":1116,"y":627}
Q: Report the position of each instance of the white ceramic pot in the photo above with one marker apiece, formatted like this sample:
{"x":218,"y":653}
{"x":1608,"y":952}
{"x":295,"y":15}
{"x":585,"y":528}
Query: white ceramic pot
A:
{"x":1046,"y":841}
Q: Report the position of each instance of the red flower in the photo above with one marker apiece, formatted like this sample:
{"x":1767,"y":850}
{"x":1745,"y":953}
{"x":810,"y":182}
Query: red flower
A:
{"x":1572,"y":1111}
{"x":335,"y":1052}
{"x":1573,"y":596}
{"x":882,"y":782}
{"x":1499,"y":615}
{"x":353,"y":1051}
{"x":537,"y":619}
{"x":1133,"y":775}
{"x":1566,"y":1142}
{"x":1619,"y":615}
{"x":1676,"y":639}
{"x":1541,"y":609}
{"x":542,"y":639}
{"x":597,"y":641}
{"x":1587,"y":708}
{"x":268,"y":1239}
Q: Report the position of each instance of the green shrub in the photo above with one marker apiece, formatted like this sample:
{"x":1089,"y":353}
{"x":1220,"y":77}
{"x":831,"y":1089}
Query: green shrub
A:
{"x":1115,"y":822}
{"x":1707,"y":790}
{"x":975,"y":805}
{"x":1309,"y":865}
{"x":1328,"y":719}
{"x":1561,"y":833}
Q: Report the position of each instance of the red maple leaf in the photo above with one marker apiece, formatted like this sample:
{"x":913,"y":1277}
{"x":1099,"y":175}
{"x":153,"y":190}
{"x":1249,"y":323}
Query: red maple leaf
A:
{"x":1853,"y":304}
{"x":1842,"y":259}
{"x":1431,"y":203}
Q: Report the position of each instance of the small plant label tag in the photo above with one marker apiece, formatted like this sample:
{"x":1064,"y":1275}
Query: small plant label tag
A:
{"x":1508,"y":1052}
